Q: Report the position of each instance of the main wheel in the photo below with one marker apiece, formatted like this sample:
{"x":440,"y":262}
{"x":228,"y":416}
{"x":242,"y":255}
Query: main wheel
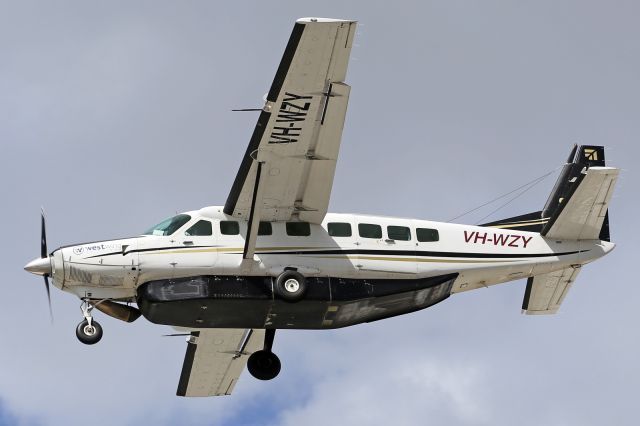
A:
{"x":291,"y":286}
{"x":263,"y":365}
{"x":89,"y":334}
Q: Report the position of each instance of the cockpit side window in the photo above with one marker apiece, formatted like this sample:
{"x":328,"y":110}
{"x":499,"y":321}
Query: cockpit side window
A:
{"x":201,"y":228}
{"x":229,"y":227}
{"x":169,"y":226}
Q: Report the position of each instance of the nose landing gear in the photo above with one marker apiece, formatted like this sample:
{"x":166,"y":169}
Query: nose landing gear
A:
{"x":88,"y":331}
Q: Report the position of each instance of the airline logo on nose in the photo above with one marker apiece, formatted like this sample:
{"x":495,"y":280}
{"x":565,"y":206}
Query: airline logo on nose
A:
{"x":95,"y":248}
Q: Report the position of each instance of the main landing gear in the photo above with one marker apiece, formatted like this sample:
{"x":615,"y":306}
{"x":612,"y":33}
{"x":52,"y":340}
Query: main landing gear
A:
{"x":290,"y":285}
{"x":264,"y":364}
{"x":89,"y":331}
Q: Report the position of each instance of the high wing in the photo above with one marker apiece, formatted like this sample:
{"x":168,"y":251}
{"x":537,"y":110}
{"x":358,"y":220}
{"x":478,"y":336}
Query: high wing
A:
{"x":214,"y":360}
{"x":545,"y":292}
{"x":288,"y":168}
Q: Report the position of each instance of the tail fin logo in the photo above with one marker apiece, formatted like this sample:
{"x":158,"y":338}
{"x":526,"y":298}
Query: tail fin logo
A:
{"x":591,"y":154}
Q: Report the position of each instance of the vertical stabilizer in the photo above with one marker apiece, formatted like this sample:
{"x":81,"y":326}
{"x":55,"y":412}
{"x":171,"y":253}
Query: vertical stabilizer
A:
{"x":578,"y":205}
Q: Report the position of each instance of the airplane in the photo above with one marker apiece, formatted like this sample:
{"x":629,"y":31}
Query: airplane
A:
{"x":272,"y":257}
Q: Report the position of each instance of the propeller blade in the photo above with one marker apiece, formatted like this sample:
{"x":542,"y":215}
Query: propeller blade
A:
{"x":43,"y":238}
{"x":46,"y":284}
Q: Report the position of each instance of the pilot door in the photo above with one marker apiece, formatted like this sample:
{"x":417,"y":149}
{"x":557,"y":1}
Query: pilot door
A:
{"x":195,"y":250}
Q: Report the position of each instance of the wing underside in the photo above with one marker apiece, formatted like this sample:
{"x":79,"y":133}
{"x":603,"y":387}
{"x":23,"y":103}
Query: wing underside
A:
{"x":297,"y":137}
{"x":215,"y":359}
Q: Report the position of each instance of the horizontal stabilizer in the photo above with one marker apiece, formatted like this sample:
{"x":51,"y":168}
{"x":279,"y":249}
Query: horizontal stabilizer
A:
{"x":582,"y":215}
{"x":577,"y":206}
{"x":545,"y":292}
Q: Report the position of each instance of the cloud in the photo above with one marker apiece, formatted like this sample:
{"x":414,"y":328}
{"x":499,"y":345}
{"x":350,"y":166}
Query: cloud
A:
{"x":7,"y":417}
{"x":394,"y":388}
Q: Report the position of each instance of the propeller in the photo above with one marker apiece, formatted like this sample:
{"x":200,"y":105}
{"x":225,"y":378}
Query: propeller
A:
{"x":42,"y":265}
{"x":44,"y":255}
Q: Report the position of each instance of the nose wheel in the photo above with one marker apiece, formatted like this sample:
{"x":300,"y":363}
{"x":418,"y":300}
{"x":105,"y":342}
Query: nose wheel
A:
{"x":89,"y":334}
{"x":89,"y":331}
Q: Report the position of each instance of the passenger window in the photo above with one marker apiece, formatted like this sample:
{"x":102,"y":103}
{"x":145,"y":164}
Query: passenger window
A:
{"x":369,"y":230}
{"x":400,"y":233}
{"x":339,"y":229}
{"x":264,"y":228}
{"x":201,"y":228}
{"x":229,"y":227}
{"x":426,"y":235}
{"x":298,"y":229}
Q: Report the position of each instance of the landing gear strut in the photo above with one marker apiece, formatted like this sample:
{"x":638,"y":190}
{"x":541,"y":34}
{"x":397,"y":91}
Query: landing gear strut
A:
{"x":264,"y":364}
{"x":88,"y":331}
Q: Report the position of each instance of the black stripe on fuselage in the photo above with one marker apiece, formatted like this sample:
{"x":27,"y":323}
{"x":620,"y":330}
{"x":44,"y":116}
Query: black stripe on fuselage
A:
{"x":97,"y":242}
{"x":147,"y":249}
{"x":417,"y":253}
{"x":420,"y":253}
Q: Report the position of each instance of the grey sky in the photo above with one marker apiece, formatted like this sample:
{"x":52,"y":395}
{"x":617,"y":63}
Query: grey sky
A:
{"x":115,"y":115}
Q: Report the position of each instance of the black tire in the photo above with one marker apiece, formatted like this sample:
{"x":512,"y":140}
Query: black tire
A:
{"x":291,"y":286}
{"x":263,"y":365}
{"x":89,"y":335}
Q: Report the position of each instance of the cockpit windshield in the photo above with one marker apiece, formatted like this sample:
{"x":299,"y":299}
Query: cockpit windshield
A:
{"x":169,"y":226}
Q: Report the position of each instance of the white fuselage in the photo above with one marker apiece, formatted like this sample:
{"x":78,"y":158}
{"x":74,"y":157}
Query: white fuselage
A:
{"x":482,"y":256}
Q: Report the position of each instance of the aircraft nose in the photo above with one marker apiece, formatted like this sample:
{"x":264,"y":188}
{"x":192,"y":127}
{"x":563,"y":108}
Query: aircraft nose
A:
{"x":39,"y":266}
